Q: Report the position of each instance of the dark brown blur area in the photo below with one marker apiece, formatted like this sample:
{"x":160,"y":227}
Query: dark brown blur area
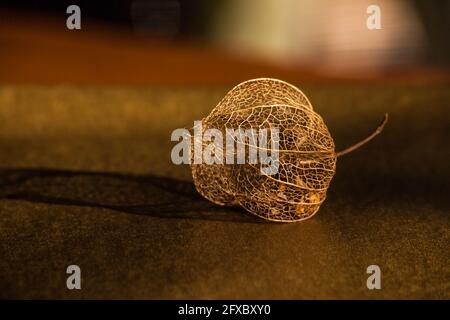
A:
{"x":187,"y":42}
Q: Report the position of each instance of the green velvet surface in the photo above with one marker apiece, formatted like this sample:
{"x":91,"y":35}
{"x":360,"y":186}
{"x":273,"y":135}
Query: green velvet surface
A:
{"x":86,"y":179}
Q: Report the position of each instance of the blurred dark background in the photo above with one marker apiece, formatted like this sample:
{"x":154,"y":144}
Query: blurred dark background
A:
{"x":200,"y":41}
{"x":165,"y":18}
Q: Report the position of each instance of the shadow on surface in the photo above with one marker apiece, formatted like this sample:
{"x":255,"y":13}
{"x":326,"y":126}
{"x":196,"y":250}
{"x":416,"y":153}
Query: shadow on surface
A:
{"x":146,"y":195}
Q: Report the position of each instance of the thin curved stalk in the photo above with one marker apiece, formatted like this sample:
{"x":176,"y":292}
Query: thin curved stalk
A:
{"x":364,"y":141}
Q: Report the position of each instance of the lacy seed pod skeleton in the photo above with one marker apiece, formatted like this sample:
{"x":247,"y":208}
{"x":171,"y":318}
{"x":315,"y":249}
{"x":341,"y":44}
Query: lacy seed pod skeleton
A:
{"x":306,"y":155}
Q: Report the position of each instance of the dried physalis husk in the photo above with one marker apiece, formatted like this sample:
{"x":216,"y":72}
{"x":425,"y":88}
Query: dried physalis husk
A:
{"x":307,"y":159}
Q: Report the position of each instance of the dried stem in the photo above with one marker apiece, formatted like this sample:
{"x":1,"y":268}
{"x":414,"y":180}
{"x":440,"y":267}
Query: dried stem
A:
{"x":364,"y":141}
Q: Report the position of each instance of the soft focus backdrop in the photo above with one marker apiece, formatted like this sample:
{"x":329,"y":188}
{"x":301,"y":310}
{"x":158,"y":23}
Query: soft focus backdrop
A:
{"x":200,"y":41}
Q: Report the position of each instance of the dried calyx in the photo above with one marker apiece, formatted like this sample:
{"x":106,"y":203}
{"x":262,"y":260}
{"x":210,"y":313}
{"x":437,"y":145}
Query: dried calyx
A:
{"x":306,"y":155}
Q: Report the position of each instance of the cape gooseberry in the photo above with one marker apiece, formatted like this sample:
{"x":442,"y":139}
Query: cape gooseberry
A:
{"x":306,"y":155}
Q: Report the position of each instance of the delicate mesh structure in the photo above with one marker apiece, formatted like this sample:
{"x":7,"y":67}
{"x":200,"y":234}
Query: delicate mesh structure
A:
{"x":307,"y":159}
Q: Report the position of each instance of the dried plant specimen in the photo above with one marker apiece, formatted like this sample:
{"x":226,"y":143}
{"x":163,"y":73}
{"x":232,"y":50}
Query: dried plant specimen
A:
{"x":306,"y":155}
